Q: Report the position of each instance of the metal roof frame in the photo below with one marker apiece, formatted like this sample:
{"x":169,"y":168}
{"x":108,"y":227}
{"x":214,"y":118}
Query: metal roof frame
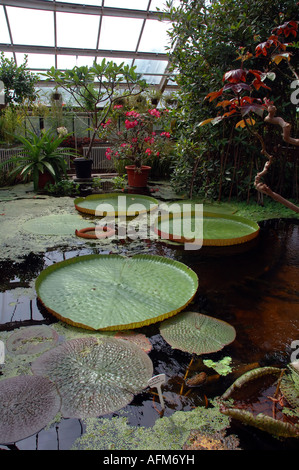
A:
{"x":101,"y":11}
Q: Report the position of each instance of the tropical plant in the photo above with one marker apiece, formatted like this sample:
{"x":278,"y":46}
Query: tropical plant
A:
{"x":40,"y":154}
{"x":96,"y":89}
{"x":220,"y":160}
{"x":133,"y":135}
{"x":242,"y":83}
{"x":19,"y":83}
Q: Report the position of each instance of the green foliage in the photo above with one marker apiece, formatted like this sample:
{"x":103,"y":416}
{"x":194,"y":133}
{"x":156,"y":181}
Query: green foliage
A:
{"x":63,"y":188}
{"x":205,"y":41}
{"x":95,"y":89}
{"x":41,"y":154}
{"x":119,"y":182}
{"x":19,"y":83}
{"x":222,"y":367}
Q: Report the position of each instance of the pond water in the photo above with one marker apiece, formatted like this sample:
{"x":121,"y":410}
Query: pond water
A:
{"x":254,"y":287}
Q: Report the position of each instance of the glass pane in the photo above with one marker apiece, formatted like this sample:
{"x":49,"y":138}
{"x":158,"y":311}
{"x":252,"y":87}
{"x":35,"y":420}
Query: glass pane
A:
{"x":120,"y":34}
{"x":76,"y":30}
{"x":162,"y":4}
{"x":4,"y":36}
{"x":128,"y":4}
{"x":70,"y":61}
{"x":154,"y":37}
{"x":117,"y":61}
{"x":150,"y":66}
{"x":37,"y":61}
{"x":34,"y":27}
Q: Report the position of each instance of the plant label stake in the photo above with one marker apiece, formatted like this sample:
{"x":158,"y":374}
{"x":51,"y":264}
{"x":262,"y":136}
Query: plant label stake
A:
{"x":157,"y":382}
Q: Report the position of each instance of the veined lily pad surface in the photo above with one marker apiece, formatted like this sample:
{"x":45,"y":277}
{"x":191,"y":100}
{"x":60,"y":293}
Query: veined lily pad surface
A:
{"x":109,"y":292}
{"x":27,"y":405}
{"x":115,"y":204}
{"x":217,"y":229}
{"x":95,"y":376}
{"x":197,"y":333}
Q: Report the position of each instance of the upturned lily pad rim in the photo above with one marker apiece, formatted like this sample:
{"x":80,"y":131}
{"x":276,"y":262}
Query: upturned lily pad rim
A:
{"x":129,"y":326}
{"x":209,"y":241}
{"x":100,"y":197}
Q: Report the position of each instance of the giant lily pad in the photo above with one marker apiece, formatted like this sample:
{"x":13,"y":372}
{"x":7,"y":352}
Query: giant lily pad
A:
{"x":27,"y":405}
{"x":115,"y":204}
{"x":217,"y":229}
{"x":197,"y":333}
{"x":94,"y":376}
{"x":109,"y":292}
{"x":54,"y":224}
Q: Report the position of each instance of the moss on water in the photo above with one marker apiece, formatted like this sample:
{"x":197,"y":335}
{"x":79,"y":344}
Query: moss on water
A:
{"x":168,"y":433}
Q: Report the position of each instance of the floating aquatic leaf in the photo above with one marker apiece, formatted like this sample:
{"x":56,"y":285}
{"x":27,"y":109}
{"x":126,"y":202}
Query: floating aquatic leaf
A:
{"x":248,"y":377}
{"x":137,"y":338}
{"x":32,"y":340}
{"x":263,"y":422}
{"x":111,"y":292}
{"x":197,"y":333}
{"x":94,"y":376}
{"x":115,"y":204}
{"x":55,"y":224}
{"x":27,"y":405}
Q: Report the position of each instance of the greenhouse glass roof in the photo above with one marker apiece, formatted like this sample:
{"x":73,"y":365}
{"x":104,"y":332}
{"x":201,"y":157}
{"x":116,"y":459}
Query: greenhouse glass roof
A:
{"x":67,"y":33}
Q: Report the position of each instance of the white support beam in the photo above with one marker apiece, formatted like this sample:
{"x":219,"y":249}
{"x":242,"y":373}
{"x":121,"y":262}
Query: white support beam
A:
{"x":85,"y":9}
{"x":25,"y":49}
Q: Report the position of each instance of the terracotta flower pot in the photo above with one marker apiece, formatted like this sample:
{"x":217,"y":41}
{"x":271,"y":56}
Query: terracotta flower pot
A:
{"x":45,"y":178}
{"x":137,"y":177}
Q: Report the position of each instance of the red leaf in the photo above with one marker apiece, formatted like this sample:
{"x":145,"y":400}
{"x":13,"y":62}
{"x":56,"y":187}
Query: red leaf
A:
{"x":258,"y":84}
{"x":235,"y":76}
{"x":287,"y":28}
{"x":214,"y":94}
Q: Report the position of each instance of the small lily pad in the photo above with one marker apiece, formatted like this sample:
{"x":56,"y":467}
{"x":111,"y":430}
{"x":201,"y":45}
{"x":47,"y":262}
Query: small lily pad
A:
{"x":197,"y":333}
{"x":27,"y":404}
{"x":32,"y":340}
{"x":55,"y":224}
{"x":95,"y":376}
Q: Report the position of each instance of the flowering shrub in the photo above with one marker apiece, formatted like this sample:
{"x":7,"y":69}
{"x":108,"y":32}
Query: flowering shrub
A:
{"x":134,"y":136}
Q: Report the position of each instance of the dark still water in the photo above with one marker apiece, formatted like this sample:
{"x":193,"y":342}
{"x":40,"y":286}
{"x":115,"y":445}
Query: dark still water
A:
{"x":254,"y":287}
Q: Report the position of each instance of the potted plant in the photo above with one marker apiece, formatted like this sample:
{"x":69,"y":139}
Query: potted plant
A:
{"x":94,"y":90}
{"x":241,"y":97}
{"x":133,"y":138}
{"x":41,"y":159}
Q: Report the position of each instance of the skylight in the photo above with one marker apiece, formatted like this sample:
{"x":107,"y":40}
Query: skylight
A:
{"x":71,"y":32}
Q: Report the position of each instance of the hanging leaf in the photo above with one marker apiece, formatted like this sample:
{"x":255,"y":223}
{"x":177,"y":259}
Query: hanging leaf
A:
{"x":242,"y":124}
{"x":277,"y":58}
